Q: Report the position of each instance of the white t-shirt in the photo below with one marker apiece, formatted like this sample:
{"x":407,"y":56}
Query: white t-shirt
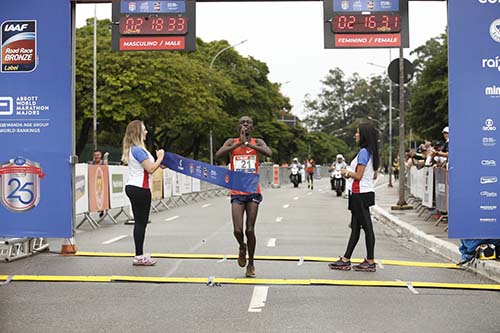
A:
{"x":364,"y":185}
{"x":137,"y":175}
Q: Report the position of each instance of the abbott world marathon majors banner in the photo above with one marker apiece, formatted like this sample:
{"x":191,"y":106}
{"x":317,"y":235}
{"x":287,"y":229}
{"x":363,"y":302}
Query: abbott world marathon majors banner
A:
{"x":474,"y":104}
{"x":35,"y":119}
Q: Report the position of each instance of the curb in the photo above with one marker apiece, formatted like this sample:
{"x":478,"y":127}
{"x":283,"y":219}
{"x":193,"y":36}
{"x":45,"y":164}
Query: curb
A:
{"x":490,"y":269}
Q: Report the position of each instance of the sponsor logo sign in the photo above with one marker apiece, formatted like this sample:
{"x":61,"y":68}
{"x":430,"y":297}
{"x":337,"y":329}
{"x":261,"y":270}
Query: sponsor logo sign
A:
{"x":19,"y":42}
{"x":20,"y":184}
{"x":487,"y":194}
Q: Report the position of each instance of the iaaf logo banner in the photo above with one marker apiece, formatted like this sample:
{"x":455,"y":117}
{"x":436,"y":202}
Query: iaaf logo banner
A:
{"x":18,"y":41}
{"x":20,"y":184}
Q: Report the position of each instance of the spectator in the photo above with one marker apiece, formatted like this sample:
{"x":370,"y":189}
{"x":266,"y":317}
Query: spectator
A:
{"x":98,"y":158}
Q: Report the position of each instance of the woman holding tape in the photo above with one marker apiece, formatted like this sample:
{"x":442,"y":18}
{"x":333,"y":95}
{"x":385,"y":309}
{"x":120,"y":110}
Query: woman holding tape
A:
{"x":141,"y":165}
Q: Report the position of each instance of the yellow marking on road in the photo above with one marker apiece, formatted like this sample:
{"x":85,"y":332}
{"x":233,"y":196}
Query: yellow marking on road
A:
{"x":247,"y":281}
{"x":271,"y":258}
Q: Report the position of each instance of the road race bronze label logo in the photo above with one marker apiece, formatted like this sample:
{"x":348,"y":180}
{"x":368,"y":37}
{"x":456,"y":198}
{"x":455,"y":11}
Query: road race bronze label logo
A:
{"x":18,"y":46}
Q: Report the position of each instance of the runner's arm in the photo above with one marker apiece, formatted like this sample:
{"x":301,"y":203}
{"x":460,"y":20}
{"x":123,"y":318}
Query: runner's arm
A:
{"x":227,"y":147}
{"x":261,"y":147}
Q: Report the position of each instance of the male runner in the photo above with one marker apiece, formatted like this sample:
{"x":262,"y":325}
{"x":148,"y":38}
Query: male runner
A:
{"x":244,"y":157}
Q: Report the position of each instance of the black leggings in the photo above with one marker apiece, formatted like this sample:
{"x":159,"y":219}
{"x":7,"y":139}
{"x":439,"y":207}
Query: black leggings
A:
{"x":140,"y":199}
{"x":360,"y":217}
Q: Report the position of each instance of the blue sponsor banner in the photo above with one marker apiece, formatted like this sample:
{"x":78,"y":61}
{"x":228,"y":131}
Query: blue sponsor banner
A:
{"x":365,"y":5}
{"x":474,"y":114}
{"x":152,"y":7}
{"x":239,"y":181}
{"x":35,"y":119}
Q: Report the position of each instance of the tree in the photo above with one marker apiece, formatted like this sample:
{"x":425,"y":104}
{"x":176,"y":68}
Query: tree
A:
{"x":429,"y":101}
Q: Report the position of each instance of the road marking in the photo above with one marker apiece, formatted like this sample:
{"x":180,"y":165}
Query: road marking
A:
{"x":296,"y":198}
{"x":247,"y":281}
{"x":258,"y":300}
{"x":206,"y":205}
{"x":386,"y":262}
{"x":286,"y":206}
{"x":279,"y":219}
{"x":172,"y":218}
{"x":271,"y":242}
{"x":301,"y":261}
{"x":309,"y":193}
{"x":116,"y":239}
{"x":222,"y":260}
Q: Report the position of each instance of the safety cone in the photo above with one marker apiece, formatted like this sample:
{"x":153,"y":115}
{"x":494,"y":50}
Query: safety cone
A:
{"x":68,"y":247}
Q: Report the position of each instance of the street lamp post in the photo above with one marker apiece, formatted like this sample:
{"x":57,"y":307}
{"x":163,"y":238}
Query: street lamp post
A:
{"x":211,"y":65}
{"x":390,"y":119}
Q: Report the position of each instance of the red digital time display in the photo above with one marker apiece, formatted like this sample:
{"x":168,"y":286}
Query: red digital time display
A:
{"x":157,"y":24}
{"x":361,"y":23}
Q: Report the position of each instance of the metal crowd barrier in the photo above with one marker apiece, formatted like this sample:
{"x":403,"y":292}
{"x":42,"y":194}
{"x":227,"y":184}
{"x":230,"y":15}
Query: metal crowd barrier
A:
{"x":17,"y":248}
{"x":428,"y":192}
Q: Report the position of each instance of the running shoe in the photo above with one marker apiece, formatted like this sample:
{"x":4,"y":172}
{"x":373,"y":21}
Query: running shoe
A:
{"x":365,"y":266}
{"x":250,"y":272}
{"x":144,"y":260}
{"x":340,"y":265}
{"x":242,"y":256}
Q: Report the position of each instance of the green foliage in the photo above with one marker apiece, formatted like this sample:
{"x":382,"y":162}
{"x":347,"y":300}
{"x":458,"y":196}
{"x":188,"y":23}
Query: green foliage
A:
{"x":179,"y":96}
{"x":429,"y":103}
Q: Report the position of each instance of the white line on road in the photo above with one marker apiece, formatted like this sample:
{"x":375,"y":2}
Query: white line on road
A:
{"x":172,"y":218}
{"x":258,"y":300}
{"x":116,"y":239}
{"x":296,"y":198}
{"x":286,"y":206}
{"x":271,"y":242}
{"x":206,"y":205}
{"x":309,"y":193}
{"x":279,"y":219}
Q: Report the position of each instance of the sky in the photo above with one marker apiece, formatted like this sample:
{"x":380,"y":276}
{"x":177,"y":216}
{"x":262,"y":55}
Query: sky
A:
{"x":288,"y":37}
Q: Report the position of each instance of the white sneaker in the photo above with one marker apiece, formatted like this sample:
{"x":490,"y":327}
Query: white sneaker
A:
{"x":144,"y":260}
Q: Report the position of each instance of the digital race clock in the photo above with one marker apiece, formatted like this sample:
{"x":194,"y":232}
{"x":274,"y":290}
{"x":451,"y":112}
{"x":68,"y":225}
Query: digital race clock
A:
{"x":155,"y":24}
{"x":361,"y":23}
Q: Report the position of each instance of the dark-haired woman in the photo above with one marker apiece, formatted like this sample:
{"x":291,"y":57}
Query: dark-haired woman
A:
{"x":361,"y":174}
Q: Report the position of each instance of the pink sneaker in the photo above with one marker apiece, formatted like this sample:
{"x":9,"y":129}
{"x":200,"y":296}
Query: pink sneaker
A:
{"x":144,"y":260}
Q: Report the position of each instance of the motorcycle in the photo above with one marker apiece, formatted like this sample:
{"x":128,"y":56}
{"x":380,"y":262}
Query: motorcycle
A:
{"x":337,"y":182}
{"x":295,"y":176}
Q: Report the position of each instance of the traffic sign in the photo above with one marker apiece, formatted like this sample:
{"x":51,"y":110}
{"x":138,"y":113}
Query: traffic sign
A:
{"x":393,"y":71}
{"x":365,"y":24}
{"x":165,"y":25}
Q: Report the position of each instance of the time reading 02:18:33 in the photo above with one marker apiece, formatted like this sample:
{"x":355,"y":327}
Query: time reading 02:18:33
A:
{"x":365,"y":23}
{"x":153,"y":25}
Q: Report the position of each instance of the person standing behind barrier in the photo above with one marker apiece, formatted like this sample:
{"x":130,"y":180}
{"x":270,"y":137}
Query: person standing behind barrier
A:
{"x":310,"y":173}
{"x":244,"y":157}
{"x":97,"y":160}
{"x":141,"y":165}
{"x":360,"y":175}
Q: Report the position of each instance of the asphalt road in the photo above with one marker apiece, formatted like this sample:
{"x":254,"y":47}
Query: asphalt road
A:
{"x":291,"y":222}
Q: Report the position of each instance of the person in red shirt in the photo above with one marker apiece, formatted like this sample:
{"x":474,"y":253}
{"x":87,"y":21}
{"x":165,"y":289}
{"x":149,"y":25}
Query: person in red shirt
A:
{"x":244,"y":157}
{"x":310,"y":167}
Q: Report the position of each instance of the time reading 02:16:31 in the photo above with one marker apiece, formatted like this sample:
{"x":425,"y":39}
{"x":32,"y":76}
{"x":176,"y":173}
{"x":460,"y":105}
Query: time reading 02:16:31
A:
{"x":153,"y":25}
{"x":365,"y":23}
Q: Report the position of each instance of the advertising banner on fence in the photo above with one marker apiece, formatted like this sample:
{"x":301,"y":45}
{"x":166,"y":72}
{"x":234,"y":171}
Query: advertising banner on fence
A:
{"x":117,"y":179}
{"x":98,"y":188}
{"x":81,"y":189}
{"x":168,"y":178}
{"x":35,"y":119}
{"x":428,"y":199}
{"x":474,"y":92}
{"x":240,"y":181}
{"x":441,"y":190}
{"x":157,"y":185}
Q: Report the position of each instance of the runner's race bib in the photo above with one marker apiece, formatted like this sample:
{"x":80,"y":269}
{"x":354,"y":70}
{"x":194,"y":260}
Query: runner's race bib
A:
{"x":245,"y":163}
